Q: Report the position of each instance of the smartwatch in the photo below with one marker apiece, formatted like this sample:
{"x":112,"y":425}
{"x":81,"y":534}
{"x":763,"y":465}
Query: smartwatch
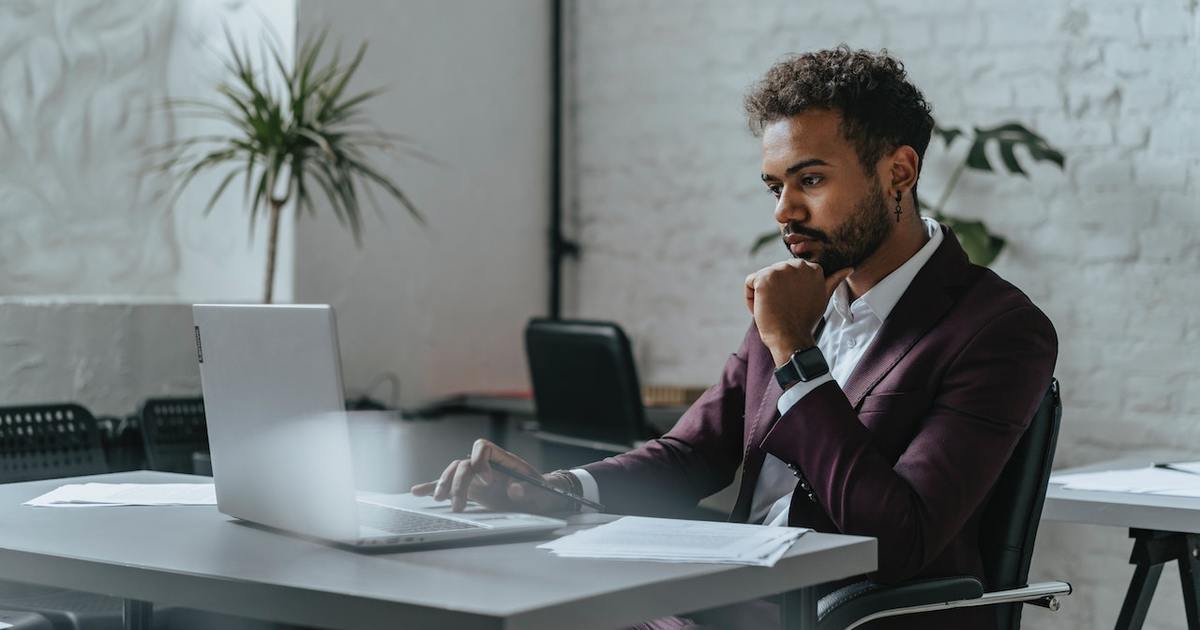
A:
{"x":804,"y":365}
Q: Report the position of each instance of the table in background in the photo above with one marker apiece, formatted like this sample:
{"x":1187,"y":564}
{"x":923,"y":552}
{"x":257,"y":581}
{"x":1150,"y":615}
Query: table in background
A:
{"x":199,"y":558}
{"x":501,"y":408}
{"x":1164,"y":529}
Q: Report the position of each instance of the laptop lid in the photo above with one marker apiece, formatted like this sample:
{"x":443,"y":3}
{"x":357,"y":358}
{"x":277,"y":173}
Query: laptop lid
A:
{"x":272,"y":385}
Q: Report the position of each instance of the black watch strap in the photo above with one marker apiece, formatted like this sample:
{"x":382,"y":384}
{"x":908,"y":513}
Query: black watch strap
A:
{"x":804,"y":365}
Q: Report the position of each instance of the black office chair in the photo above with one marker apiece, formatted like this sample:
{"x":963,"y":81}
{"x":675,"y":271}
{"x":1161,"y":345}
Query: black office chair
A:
{"x":585,"y":389}
{"x":47,"y":442}
{"x":174,"y":431}
{"x":1009,"y":525}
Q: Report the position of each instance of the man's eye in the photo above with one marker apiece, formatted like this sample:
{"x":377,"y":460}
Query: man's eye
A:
{"x":774,"y":190}
{"x":811,"y":180}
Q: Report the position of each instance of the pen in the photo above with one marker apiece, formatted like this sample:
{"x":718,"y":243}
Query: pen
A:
{"x":1171,"y":466}
{"x":541,"y":483}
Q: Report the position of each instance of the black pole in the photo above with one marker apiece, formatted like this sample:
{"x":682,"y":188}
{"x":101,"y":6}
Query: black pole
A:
{"x":559,"y":247}
{"x":556,"y":160}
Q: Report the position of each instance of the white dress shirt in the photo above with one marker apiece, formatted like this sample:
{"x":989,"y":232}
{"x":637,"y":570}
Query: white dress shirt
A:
{"x":849,"y":328}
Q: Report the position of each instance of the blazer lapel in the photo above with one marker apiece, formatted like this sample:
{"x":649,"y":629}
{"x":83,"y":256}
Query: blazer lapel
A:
{"x":923,"y":304}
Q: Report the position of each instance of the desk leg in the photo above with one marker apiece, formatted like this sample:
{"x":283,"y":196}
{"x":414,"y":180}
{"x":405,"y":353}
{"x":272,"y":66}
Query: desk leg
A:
{"x":799,"y":609}
{"x":1137,"y":598}
{"x":138,"y":615}
{"x":1152,"y":550}
{"x":1189,"y":574}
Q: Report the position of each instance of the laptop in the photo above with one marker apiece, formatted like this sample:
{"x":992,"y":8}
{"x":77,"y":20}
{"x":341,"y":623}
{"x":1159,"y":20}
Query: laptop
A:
{"x":280,"y":439}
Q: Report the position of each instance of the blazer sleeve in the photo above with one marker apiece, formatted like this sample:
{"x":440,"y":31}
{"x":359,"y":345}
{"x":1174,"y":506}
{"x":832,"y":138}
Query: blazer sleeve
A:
{"x":696,"y":458}
{"x":986,"y":399}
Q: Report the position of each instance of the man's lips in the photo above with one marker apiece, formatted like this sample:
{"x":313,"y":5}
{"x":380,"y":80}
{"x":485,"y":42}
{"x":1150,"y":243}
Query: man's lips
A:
{"x":800,"y":246}
{"x":793,"y":239}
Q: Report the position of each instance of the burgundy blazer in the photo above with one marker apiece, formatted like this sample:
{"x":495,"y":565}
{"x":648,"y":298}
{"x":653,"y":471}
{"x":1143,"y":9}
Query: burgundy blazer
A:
{"x":907,"y":452}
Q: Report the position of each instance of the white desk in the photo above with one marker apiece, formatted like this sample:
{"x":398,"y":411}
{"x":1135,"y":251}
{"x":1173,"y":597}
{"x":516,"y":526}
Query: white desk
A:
{"x":1164,"y":529}
{"x":199,"y":558}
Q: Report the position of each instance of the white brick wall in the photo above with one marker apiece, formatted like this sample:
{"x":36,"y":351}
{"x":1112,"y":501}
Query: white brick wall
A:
{"x":666,"y":201}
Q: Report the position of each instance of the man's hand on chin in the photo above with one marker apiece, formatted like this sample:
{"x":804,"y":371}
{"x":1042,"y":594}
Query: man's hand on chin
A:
{"x":787,"y":299}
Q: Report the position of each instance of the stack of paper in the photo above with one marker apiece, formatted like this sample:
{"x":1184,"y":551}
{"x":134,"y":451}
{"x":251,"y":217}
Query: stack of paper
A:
{"x":671,"y":540}
{"x":109,"y":494}
{"x":1180,"y":480}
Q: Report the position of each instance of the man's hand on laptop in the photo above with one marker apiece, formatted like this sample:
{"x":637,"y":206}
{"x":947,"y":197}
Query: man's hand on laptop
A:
{"x":474,"y":478}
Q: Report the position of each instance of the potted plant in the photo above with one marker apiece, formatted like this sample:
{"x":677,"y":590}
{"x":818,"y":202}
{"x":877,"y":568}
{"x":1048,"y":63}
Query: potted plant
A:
{"x":981,"y":245}
{"x":287,"y":144}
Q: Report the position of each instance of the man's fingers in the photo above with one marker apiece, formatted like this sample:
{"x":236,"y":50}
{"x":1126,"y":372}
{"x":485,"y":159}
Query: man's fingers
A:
{"x":750,"y":280}
{"x":423,"y":489}
{"x":443,"y":483}
{"x":459,"y":486}
{"x":481,"y":453}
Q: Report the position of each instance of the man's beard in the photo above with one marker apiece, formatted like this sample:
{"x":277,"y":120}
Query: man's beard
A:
{"x":853,"y":241}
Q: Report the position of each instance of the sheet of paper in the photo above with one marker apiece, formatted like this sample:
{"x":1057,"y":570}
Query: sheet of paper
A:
{"x":672,"y":540}
{"x":1148,"y":480}
{"x":111,"y":494}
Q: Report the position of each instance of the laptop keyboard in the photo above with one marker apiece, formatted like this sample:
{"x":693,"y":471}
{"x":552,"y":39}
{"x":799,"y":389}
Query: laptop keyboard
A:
{"x":401,"y":521}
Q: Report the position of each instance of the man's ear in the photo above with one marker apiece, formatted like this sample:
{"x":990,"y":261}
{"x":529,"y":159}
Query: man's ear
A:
{"x":903,"y":164}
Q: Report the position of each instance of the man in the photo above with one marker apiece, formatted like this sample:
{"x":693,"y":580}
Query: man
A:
{"x":884,"y":380}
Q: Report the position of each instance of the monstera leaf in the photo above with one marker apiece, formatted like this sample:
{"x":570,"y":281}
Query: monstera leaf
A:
{"x":1007,"y":137}
{"x":981,"y":246}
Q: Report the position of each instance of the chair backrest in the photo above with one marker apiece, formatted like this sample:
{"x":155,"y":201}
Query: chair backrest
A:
{"x":1010,"y":520}
{"x":585,"y":384}
{"x":172,"y":430}
{"x":49,"y":441}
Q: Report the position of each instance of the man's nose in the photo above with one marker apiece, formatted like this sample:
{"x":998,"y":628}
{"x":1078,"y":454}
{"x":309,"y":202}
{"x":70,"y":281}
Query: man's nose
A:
{"x":789,"y":208}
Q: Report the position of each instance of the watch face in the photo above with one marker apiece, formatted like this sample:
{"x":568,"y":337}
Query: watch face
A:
{"x":810,"y":364}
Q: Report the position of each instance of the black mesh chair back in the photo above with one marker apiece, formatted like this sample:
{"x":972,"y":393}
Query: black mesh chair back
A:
{"x":49,"y":441}
{"x":585,"y":384}
{"x":1010,"y":520}
{"x":173,"y":429}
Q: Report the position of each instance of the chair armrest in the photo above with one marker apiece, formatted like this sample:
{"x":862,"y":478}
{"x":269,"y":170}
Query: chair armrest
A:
{"x":848,"y":604}
{"x":858,"y":603}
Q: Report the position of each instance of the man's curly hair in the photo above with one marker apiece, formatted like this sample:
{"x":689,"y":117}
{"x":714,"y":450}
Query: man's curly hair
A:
{"x":880,"y":108}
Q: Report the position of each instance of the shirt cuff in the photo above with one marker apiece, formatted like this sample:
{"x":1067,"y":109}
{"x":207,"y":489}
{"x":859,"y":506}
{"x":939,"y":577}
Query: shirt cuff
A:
{"x":795,"y":393}
{"x":591,"y":491}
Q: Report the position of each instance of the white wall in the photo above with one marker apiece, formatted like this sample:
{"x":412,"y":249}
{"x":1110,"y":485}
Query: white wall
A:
{"x":82,"y":218}
{"x":82,"y":87}
{"x":442,"y":308}
{"x":107,"y":354}
{"x":668,"y":200}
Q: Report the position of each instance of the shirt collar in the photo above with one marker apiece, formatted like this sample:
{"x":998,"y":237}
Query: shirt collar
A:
{"x":882,"y":297}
